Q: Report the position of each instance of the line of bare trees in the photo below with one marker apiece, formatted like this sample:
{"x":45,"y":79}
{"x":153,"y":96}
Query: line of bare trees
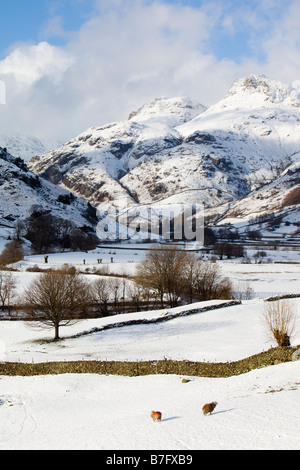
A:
{"x":180,"y":276}
{"x":166,"y":277}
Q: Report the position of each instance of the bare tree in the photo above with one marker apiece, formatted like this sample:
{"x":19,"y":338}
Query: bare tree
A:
{"x":7,"y":289}
{"x":207,"y":282}
{"x":150,"y":274}
{"x":279,"y":320}
{"x":176,"y":274}
{"x":242,"y":290}
{"x":116,"y":290}
{"x":57,"y":299}
{"x":164,"y":271}
{"x":139,"y":296}
{"x":100,"y":291}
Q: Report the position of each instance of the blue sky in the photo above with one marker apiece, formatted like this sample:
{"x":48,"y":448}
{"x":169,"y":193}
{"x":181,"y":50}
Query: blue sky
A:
{"x":26,"y":20}
{"x":71,"y":64}
{"x":37,"y":20}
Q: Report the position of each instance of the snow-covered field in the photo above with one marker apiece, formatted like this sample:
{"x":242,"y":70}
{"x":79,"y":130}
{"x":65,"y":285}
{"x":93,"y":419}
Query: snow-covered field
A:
{"x":279,"y":276}
{"x":257,"y":410}
{"x":221,"y":335}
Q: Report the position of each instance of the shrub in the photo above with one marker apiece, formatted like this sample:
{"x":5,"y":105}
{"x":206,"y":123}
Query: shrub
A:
{"x":243,"y":291}
{"x":66,"y":198}
{"x":293,"y":197}
{"x":12,"y":253}
{"x":279,"y":319}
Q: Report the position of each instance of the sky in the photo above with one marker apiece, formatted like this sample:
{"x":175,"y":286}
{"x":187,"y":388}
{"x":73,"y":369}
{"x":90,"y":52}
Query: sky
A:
{"x":66,"y":65}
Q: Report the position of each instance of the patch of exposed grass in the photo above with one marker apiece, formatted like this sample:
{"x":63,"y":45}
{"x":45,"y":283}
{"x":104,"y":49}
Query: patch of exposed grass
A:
{"x":140,"y":368}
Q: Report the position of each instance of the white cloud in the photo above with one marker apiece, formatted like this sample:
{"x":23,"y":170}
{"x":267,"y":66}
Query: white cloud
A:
{"x":54,"y":28}
{"x":29,"y":63}
{"x":2,"y":92}
{"x":283,"y":47}
{"x":129,"y":53}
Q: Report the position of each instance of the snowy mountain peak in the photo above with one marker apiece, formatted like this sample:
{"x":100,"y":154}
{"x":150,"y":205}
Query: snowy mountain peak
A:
{"x":260,"y":87}
{"x":173,"y":151}
{"x":174,"y":111}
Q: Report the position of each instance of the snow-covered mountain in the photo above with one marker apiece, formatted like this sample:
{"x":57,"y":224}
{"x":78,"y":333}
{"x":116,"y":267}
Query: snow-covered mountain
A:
{"x":175,"y":150}
{"x":22,"y":193}
{"x":94,"y":164}
{"x":274,"y":206}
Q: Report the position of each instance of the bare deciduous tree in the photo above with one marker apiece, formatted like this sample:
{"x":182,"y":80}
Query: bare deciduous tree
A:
{"x":175,"y":274}
{"x":7,"y":289}
{"x":208,"y":282}
{"x":242,"y":290}
{"x":139,"y":296}
{"x":101,"y":293}
{"x":163,"y":271}
{"x":279,"y":320}
{"x":115,"y":287}
{"x":57,"y":299}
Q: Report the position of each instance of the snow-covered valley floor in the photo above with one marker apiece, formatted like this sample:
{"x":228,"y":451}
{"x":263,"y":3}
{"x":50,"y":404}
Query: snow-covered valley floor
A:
{"x":257,"y":410}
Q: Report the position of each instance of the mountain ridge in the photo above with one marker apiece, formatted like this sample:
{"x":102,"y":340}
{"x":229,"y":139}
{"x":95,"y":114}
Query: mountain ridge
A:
{"x":168,"y":152}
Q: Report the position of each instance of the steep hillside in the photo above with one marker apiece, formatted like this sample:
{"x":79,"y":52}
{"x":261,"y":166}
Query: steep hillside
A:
{"x":274,"y":206}
{"x":24,"y":194}
{"x":169,"y":153}
{"x":94,"y":163}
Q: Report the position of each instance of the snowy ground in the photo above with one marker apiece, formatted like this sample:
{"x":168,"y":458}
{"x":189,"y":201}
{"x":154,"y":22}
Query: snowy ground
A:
{"x":224,"y":334}
{"x":279,"y":276}
{"x":257,"y":410}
